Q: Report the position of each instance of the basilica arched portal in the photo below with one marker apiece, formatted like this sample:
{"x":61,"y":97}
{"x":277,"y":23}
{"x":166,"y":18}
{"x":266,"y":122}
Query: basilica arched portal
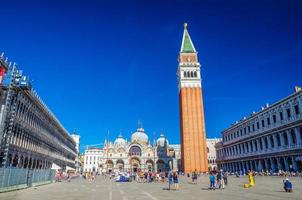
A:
{"x":109,"y":164}
{"x":135,"y":164}
{"x":120,"y":165}
{"x":150,"y":165}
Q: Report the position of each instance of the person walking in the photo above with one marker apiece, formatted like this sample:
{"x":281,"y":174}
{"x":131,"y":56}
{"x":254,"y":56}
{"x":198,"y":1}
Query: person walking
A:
{"x":175,"y":180}
{"x":170,"y":180}
{"x":194,"y":177}
{"x":220,"y":181}
{"x":225,"y":178}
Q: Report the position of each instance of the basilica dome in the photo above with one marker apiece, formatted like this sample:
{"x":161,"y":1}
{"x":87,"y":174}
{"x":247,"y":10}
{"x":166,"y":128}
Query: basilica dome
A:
{"x":120,"y":141}
{"x":162,"y":140}
{"x":140,"y":136}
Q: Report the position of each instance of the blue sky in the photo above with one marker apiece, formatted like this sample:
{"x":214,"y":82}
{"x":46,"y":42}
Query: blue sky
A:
{"x":104,"y":65}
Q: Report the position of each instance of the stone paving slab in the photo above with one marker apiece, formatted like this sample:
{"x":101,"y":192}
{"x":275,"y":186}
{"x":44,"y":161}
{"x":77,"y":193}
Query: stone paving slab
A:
{"x":267,"y":188}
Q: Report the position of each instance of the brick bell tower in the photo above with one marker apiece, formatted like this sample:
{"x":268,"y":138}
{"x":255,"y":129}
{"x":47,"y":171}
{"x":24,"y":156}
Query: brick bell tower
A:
{"x":192,"y":123}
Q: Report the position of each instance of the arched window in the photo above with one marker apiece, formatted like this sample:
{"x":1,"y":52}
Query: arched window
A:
{"x":192,"y":75}
{"x":185,"y":74}
{"x":135,"y":151}
{"x":195,"y":74}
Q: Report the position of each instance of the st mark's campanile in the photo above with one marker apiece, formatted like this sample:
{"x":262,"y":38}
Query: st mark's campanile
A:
{"x":192,"y":122}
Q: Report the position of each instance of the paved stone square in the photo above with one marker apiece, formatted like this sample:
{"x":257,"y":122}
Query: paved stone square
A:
{"x":101,"y":189}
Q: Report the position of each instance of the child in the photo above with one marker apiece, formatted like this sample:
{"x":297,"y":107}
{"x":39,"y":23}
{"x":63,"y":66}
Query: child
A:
{"x":212,"y":181}
{"x":175,"y":180}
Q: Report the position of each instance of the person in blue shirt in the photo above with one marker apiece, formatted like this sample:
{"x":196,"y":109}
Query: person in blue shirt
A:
{"x":287,"y":185}
{"x":212,"y":181}
{"x":170,"y":179}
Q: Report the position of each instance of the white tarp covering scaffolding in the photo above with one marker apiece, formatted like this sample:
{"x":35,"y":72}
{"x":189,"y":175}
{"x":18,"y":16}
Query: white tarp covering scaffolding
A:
{"x":55,"y":166}
{"x":69,"y":168}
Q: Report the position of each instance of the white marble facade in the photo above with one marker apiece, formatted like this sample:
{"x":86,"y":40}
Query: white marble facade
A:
{"x":211,"y":142}
{"x":135,"y":155}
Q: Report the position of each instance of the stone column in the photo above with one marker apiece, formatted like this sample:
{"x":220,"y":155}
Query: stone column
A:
{"x":289,"y":138}
{"x":262,"y":164}
{"x":266,"y":164}
{"x":258,"y":144}
{"x":286,"y":163}
{"x":281,"y":138}
{"x":258,"y":165}
{"x":255,"y":164}
{"x":19,"y":161}
{"x":263,"y":143}
{"x":241,"y":165}
{"x":298,"y":135}
{"x":249,"y":146}
{"x":250,"y":165}
{"x":275,"y":140}
{"x":279,"y":164}
{"x":268,"y":142}
{"x":273,"y":167}
{"x":254,"y":146}
{"x":295,"y":167}
{"x":244,"y":166}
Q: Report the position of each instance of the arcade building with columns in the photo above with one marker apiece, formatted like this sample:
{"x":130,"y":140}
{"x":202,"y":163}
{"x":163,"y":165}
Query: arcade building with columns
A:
{"x":270,"y":139}
{"x":31,"y":136}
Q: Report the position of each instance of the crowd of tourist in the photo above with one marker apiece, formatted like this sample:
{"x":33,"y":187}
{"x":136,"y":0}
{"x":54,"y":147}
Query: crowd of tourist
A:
{"x":217,"y":179}
{"x":90,"y":176}
{"x":62,"y":175}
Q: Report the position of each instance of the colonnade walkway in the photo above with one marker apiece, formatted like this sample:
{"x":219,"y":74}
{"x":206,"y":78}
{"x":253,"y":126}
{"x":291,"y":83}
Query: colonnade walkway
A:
{"x":78,"y":189}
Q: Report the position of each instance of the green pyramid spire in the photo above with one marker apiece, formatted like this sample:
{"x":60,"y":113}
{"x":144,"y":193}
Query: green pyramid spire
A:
{"x":187,"y":44}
